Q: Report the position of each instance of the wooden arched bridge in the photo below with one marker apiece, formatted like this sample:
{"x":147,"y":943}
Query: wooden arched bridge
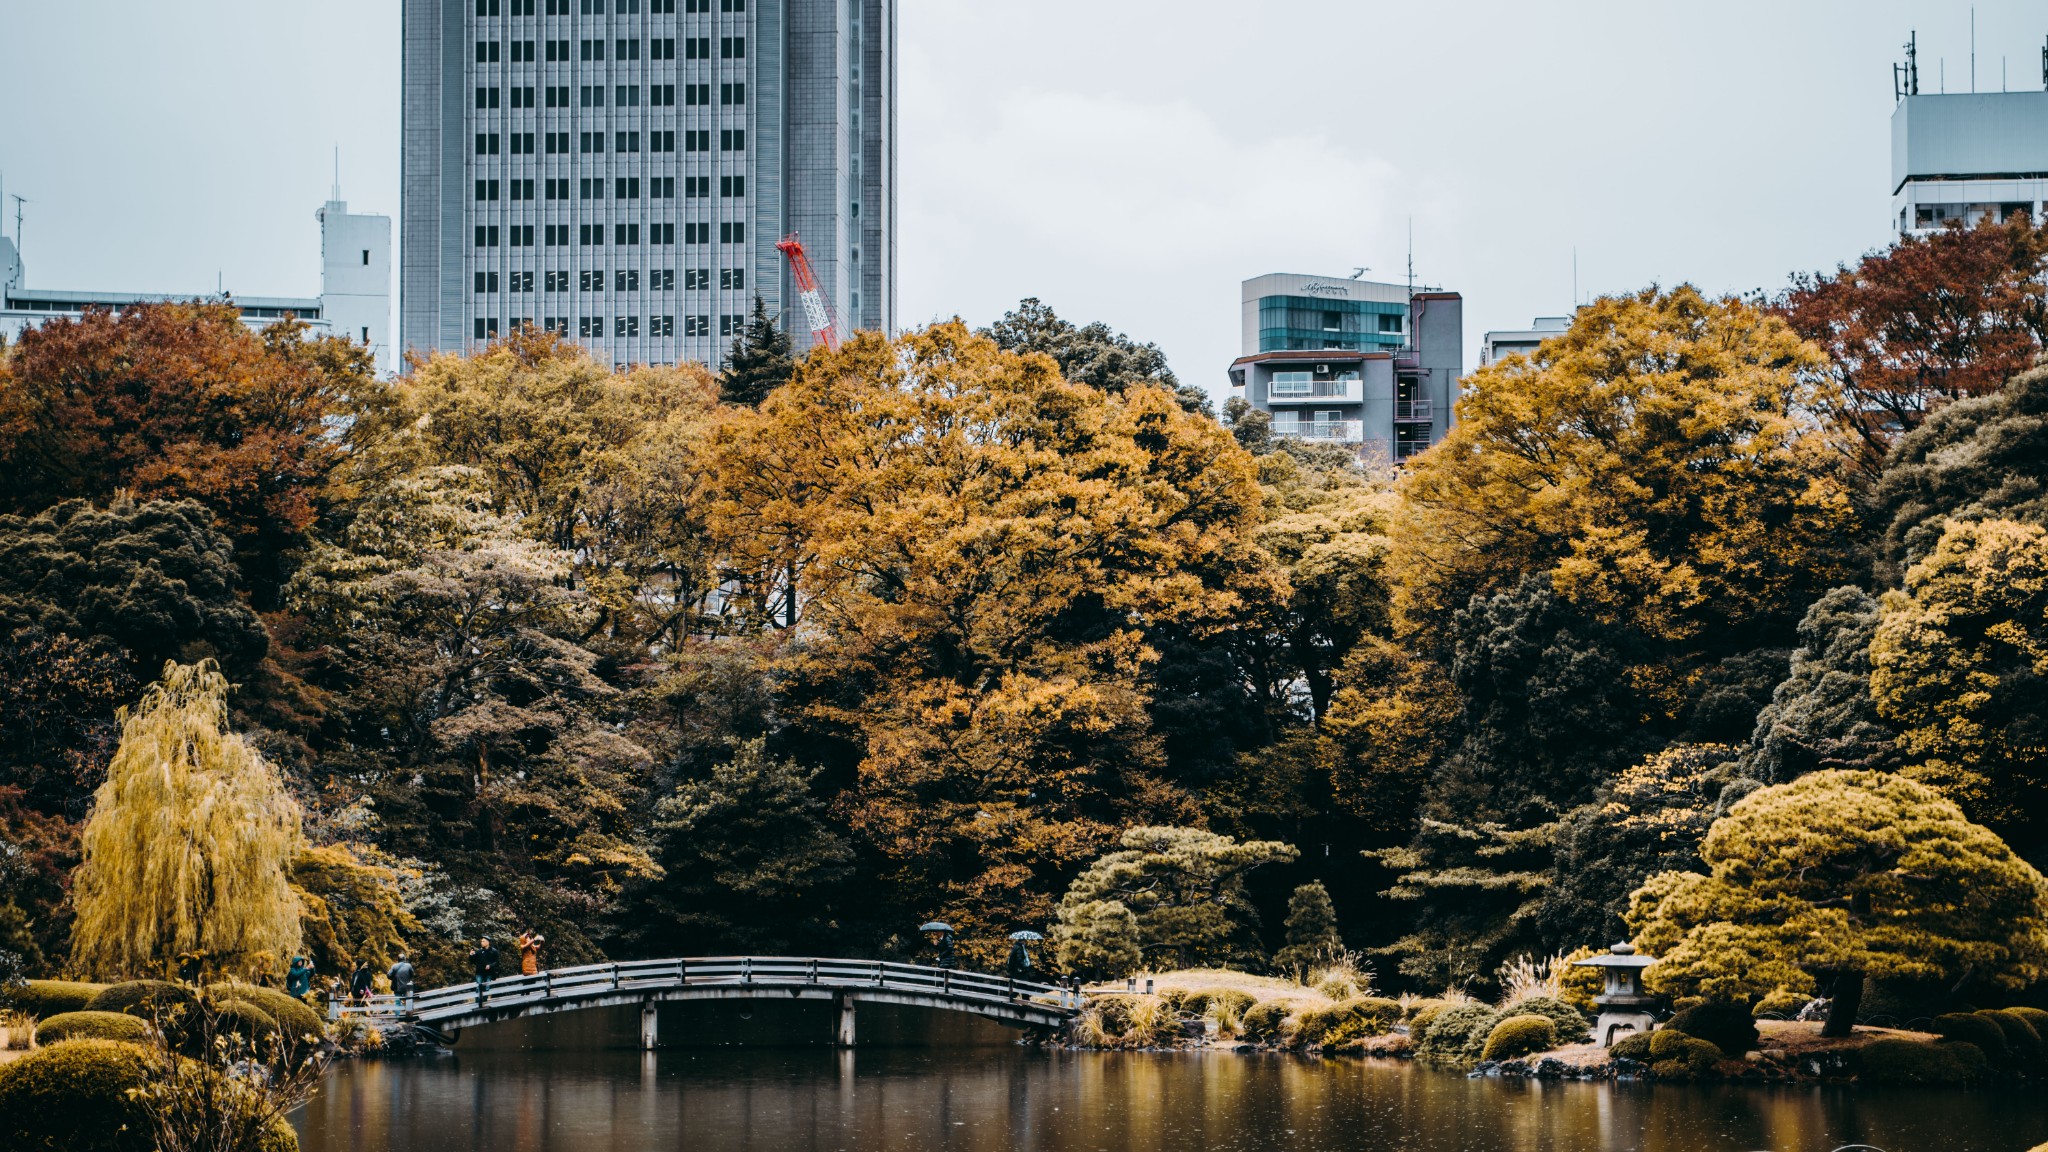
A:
{"x":648,"y":983}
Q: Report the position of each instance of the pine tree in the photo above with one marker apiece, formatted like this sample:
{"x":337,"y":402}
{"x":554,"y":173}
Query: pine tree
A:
{"x":1311,"y":929}
{"x":190,"y":843}
{"x":759,"y":361}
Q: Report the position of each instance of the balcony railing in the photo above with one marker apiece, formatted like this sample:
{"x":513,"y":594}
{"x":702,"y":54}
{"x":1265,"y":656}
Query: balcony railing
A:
{"x":1328,"y":431}
{"x":1414,"y":411}
{"x":1301,"y":392}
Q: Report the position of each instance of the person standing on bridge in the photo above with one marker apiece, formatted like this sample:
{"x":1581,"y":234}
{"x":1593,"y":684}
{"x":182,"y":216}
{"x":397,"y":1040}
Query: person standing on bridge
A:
{"x":402,"y":977}
{"x":483,"y":960}
{"x":361,"y":982}
{"x":529,"y":952}
{"x":299,"y":980}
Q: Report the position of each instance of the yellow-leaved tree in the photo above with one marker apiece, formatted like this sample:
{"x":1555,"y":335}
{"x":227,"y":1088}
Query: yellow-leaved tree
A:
{"x":190,"y":843}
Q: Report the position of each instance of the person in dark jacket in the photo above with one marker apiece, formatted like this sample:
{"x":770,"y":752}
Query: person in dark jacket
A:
{"x":362,"y":982}
{"x":402,"y":978}
{"x":483,"y":960}
{"x":299,"y":980}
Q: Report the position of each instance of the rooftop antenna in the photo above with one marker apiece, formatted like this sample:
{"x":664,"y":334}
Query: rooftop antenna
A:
{"x":18,"y":202}
{"x":1973,"y":48}
{"x":1411,"y":257}
{"x":337,"y":174}
{"x":1906,"y":77}
{"x":2044,"y":63}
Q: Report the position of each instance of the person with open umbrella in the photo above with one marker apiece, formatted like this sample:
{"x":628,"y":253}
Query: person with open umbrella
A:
{"x":944,"y":932}
{"x":1020,"y":955}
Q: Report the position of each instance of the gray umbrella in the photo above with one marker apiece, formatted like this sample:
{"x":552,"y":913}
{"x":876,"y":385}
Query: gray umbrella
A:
{"x":935,"y":926}
{"x":1026,"y":935}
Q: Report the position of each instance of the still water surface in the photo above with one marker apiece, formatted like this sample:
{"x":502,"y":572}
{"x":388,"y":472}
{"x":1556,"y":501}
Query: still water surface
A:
{"x":529,"y":1095}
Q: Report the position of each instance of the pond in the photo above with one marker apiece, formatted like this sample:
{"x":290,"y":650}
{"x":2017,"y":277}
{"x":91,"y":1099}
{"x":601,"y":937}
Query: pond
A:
{"x":934,"y":1084}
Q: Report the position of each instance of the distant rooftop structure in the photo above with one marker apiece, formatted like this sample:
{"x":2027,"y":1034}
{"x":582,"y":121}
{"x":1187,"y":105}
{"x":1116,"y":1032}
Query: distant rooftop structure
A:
{"x":1495,"y":346}
{"x":1966,"y":156}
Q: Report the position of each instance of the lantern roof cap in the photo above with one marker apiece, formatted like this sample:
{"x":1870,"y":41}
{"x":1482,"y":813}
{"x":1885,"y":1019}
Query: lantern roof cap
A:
{"x":1620,"y":956}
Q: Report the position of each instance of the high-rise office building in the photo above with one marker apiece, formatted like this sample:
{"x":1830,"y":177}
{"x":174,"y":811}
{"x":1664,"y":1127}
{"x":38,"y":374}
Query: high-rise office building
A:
{"x":621,"y":170}
{"x":1367,"y":365}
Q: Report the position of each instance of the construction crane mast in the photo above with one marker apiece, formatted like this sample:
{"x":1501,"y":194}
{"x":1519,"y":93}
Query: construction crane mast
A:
{"x":824,"y":325}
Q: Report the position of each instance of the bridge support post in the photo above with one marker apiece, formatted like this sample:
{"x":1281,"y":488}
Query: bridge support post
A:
{"x":842,"y":1020}
{"x":650,"y":1026}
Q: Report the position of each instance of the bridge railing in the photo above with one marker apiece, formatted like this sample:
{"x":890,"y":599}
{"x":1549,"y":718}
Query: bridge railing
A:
{"x":596,"y":980}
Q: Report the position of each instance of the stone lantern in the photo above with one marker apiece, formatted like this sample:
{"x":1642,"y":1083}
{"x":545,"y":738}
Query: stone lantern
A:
{"x":1624,"y":1006}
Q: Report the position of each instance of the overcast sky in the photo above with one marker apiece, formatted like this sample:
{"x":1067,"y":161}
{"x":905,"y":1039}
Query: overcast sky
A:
{"x":1124,"y":160}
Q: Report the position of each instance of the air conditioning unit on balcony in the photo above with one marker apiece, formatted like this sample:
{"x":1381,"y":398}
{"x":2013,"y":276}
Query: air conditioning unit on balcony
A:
{"x":1322,"y":369}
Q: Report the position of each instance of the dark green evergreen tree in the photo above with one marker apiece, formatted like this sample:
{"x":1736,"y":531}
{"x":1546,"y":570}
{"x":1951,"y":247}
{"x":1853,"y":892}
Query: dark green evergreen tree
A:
{"x":1312,"y":936}
{"x":759,"y":362}
{"x":1093,"y":355}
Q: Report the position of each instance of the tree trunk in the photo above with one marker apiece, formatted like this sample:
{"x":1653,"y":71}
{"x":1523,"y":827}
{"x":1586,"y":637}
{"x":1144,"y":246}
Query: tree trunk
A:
{"x":1847,"y":998}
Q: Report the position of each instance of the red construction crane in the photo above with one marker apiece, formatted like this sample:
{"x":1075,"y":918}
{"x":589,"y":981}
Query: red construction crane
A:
{"x":824,"y":325}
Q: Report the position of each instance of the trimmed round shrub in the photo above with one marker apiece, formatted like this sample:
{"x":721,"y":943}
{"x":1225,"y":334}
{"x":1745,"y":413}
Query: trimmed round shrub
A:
{"x":74,"y":1096}
{"x":91,"y":1026}
{"x":1726,"y":1026}
{"x":1677,"y":1056}
{"x":244,"y":1021}
{"x":1180,"y":1000}
{"x":1971,"y":1029}
{"x":294,"y":1019}
{"x":1365,"y":1016}
{"x":1570,"y":1024}
{"x":149,"y":999}
{"x":1264,"y":1022}
{"x":1781,"y":1002}
{"x":40,"y":998}
{"x":1457,"y":1035}
{"x":1896,"y":1061}
{"x":2034,"y":1016}
{"x":1634,"y":1046}
{"x":1519,"y":1036}
{"x":2020,"y":1037}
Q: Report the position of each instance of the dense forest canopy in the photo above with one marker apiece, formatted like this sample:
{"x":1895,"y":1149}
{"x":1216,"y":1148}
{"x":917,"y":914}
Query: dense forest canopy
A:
{"x":1007,"y":629}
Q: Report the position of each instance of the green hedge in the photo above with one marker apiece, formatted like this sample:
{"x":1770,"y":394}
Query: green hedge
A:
{"x":1895,"y":1061}
{"x":1571,"y":1025}
{"x":1635,"y":1046}
{"x":1972,"y":1029}
{"x":149,"y":999}
{"x":1364,"y":1016}
{"x":1677,"y":1056}
{"x":1264,"y":1022}
{"x":2020,"y":1037}
{"x":1520,"y":1036}
{"x":73,"y":1097}
{"x":1457,"y":1034}
{"x":293,"y":1017}
{"x":91,"y":1026}
{"x":40,"y":998}
{"x":1726,"y":1026}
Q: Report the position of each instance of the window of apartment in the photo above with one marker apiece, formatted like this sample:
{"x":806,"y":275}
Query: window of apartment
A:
{"x":662,"y":49}
{"x":558,"y":7}
{"x":487,"y":7}
{"x":487,"y":51}
{"x":732,"y":140}
{"x":627,"y":50}
{"x":487,"y":235}
{"x":590,"y":327}
{"x":556,"y":324}
{"x":697,"y":48}
{"x":487,"y":97}
{"x":697,"y":5}
{"x":366,"y":257}
{"x":629,"y":7}
{"x":731,"y":325}
{"x":732,"y":48}
{"x":521,"y":235}
{"x":592,"y":142}
{"x":519,"y":282}
{"x":696,"y":233}
{"x":732,"y":5}
{"x":661,"y":280}
{"x":662,"y":141}
{"x":695,"y":186}
{"x":628,"y":326}
{"x":487,"y":143}
{"x":558,"y":51}
{"x":486,"y":329}
{"x":593,"y":50}
{"x":627,"y":188}
{"x":591,"y":188}
{"x":522,"y":7}
{"x":1389,"y":322}
{"x":1291,"y":384}
{"x":627,"y":234}
{"x":626,"y":280}
{"x":558,"y":143}
{"x":661,"y":187}
{"x":522,"y":51}
{"x":628,"y":142}
{"x":523,"y":97}
{"x":661,"y":95}
{"x":661,"y":234}
{"x":557,"y":281}
{"x":557,"y":234}
{"x":628,"y":96}
{"x":592,"y":235}
{"x":732,"y":233}
{"x":558,"y":96}
{"x":522,"y":143}
{"x":591,"y":96}
{"x":732,"y":278}
{"x":662,"y":7}
{"x":486,"y":282}
{"x":732,"y":93}
{"x":696,"y":325}
{"x":696,"y":94}
{"x":732,"y":185}
{"x":590,"y":282}
{"x":694,"y":278}
{"x":661,"y":326}
{"x":593,"y":7}
{"x":487,"y":190}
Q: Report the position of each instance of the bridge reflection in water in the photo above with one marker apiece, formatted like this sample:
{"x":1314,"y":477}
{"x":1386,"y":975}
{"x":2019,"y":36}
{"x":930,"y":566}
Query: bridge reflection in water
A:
{"x":650,"y":983}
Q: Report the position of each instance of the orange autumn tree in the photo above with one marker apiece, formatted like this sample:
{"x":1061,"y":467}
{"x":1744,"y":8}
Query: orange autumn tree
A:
{"x":966,"y":552}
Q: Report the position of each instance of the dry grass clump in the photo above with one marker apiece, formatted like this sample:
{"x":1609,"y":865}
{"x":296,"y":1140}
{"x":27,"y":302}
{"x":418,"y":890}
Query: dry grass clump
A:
{"x":1525,"y":978}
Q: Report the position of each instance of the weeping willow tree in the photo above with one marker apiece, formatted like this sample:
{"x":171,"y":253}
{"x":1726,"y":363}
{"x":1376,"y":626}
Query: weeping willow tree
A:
{"x":190,"y":843}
